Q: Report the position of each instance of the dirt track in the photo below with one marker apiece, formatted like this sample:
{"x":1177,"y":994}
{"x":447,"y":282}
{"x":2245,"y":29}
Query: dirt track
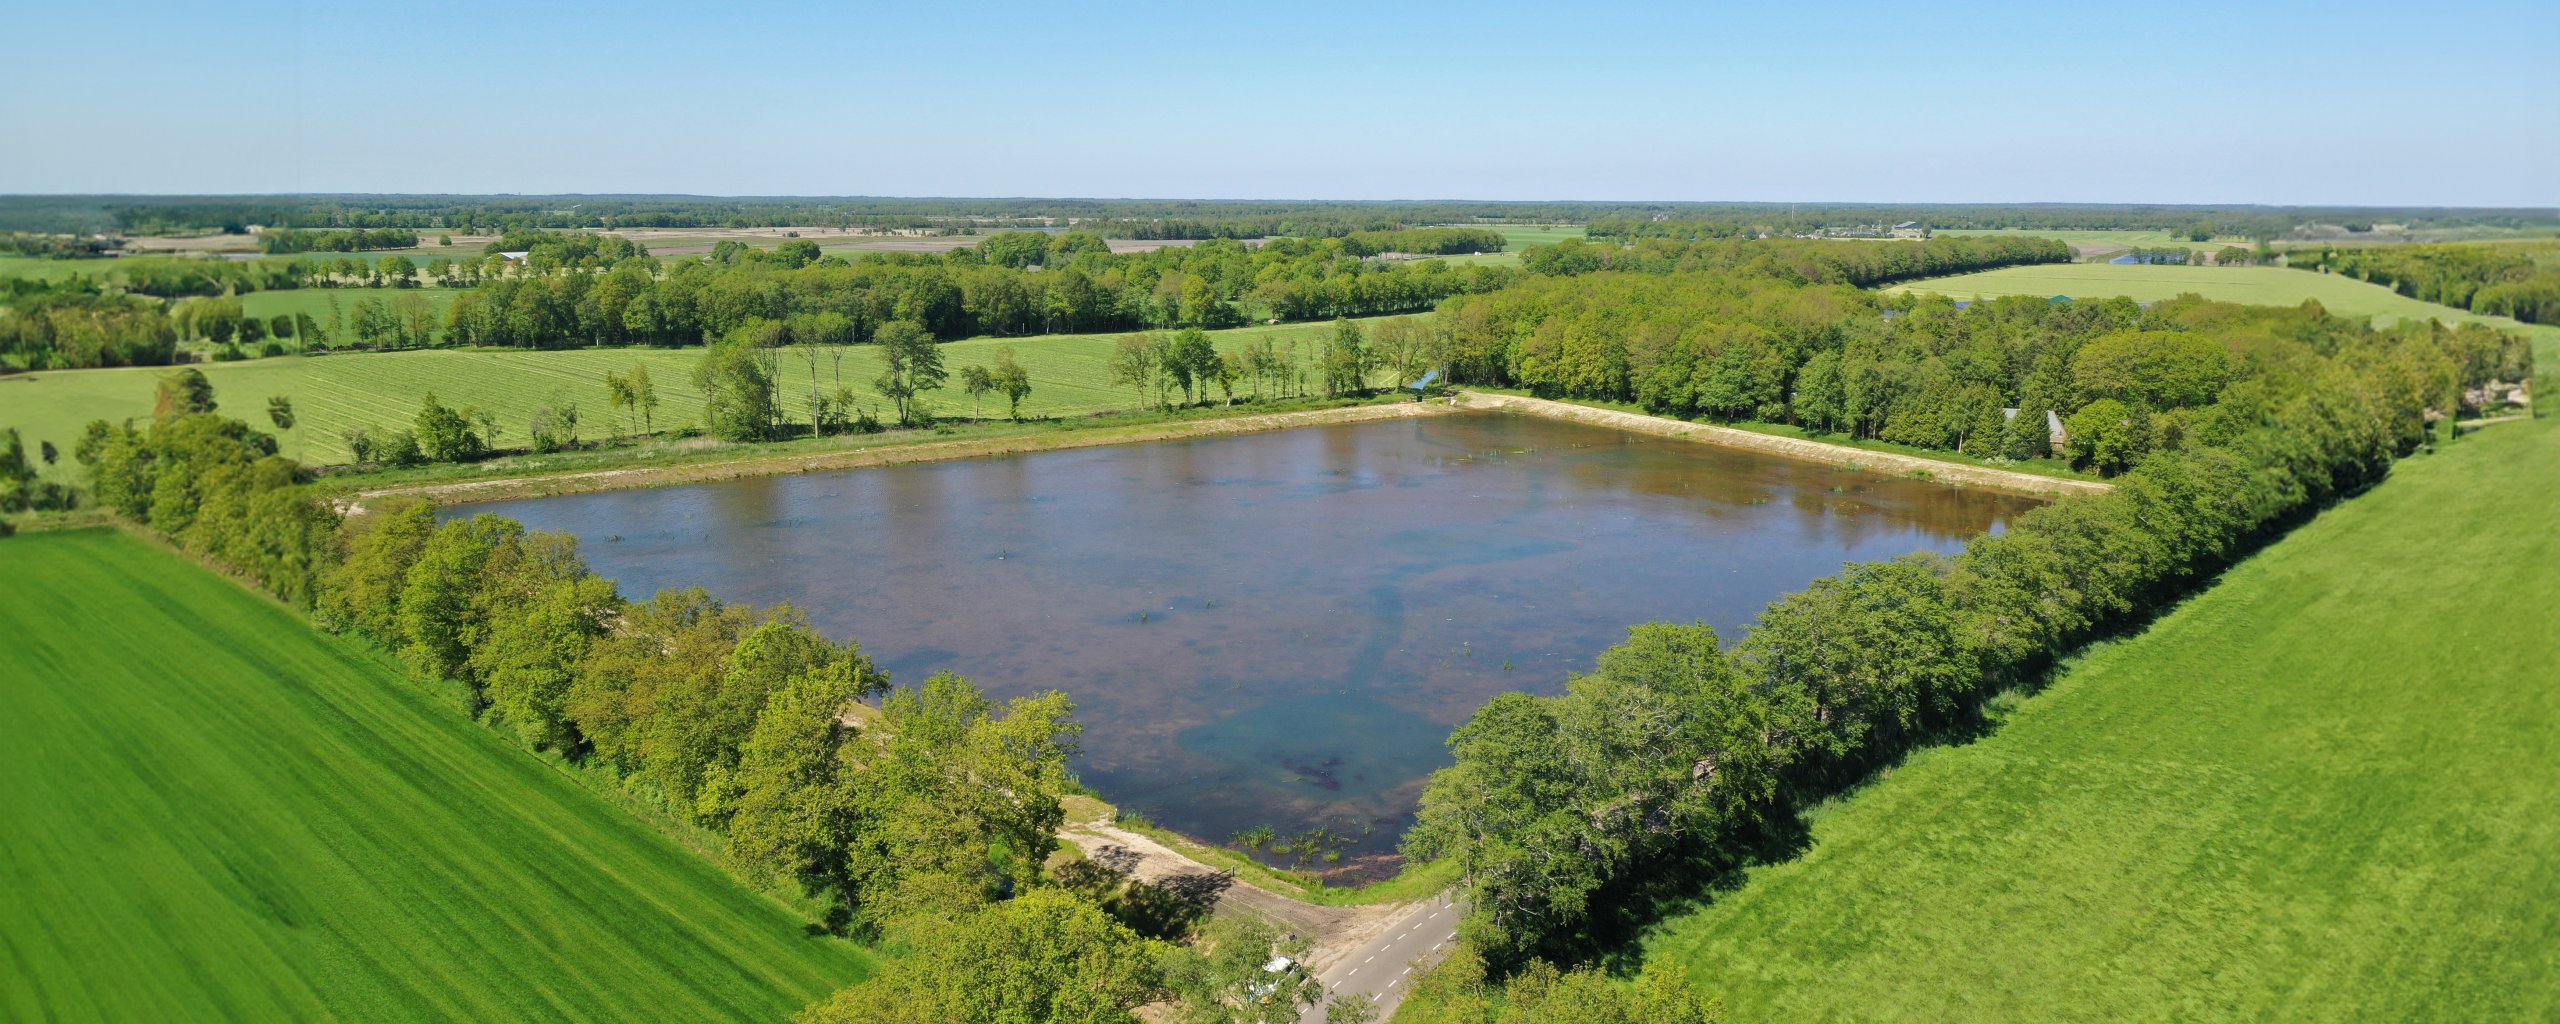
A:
{"x":1791,"y":447}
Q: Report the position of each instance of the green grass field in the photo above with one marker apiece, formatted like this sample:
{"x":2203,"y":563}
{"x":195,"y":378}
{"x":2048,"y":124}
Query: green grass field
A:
{"x":2105,"y":237}
{"x":215,"y":813}
{"x":2266,"y":286}
{"x":382,"y":390}
{"x":314,"y":302}
{"x":2324,"y":789}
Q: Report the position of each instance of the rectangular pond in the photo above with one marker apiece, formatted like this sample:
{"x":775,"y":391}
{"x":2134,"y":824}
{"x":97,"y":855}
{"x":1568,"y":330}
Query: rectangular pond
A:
{"x":1279,"y":628}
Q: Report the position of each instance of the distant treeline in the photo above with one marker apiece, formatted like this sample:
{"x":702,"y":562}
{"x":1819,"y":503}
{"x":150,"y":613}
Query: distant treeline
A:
{"x":287,"y":240}
{"x":60,"y":247}
{"x":2520,"y":281}
{"x":1162,"y":219}
{"x":1826,"y":262}
{"x":1679,"y":758}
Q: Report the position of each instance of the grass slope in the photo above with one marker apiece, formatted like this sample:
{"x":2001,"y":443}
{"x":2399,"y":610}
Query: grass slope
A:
{"x":2324,"y":789}
{"x":381,"y":390}
{"x":214,"y":812}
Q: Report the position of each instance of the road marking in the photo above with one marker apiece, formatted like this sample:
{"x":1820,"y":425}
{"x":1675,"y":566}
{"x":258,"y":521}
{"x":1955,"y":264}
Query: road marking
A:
{"x":1372,"y":956}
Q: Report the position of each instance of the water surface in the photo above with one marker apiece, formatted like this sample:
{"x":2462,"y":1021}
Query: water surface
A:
{"x":1275,"y":628}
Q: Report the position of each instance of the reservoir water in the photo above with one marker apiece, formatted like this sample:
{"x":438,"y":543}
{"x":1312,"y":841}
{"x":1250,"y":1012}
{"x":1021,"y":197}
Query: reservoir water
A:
{"x":1279,"y":628}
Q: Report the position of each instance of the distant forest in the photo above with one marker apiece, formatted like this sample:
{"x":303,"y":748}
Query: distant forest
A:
{"x":1166,"y":219}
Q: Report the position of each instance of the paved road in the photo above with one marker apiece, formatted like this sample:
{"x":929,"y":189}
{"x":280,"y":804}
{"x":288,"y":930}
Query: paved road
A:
{"x":1384,"y":966}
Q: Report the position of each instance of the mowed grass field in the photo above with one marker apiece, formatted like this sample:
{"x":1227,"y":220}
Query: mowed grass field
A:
{"x":1070,"y":376}
{"x":215,"y":813}
{"x":2265,"y":286}
{"x":2326,"y":789}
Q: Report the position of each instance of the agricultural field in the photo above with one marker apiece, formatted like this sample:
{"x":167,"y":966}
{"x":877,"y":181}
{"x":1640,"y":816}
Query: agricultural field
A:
{"x":221,"y":814}
{"x":2105,"y":238}
{"x":382,"y":390}
{"x":2266,"y":286}
{"x":2322,"y":789}
{"x":315,"y":302}
{"x":37,"y":268}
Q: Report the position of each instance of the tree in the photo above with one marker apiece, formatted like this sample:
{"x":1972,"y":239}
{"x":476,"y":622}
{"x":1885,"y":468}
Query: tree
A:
{"x":1345,"y":361}
{"x":280,"y":411}
{"x":438,"y":613}
{"x":737,"y":387}
{"x":1220,"y":978}
{"x":1194,"y":362}
{"x":960,"y":803}
{"x":1013,"y":381}
{"x":792,"y":814}
{"x":617,"y":396}
{"x":976,"y":381}
{"x":1133,"y":362}
{"x":524,"y":659}
{"x":912,"y":365}
{"x":444,"y":435}
{"x":2107,"y":436}
{"x":644,"y":396}
{"x":1046,"y":956}
{"x":2151,"y":369}
{"x":182,"y":393}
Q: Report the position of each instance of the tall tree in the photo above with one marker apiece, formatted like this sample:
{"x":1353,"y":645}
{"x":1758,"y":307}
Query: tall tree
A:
{"x":912,"y":365}
{"x":1013,"y":381}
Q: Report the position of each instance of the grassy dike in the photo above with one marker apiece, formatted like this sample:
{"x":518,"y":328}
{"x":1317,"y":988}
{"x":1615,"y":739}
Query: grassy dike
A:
{"x":217,"y":813}
{"x":2321,"y":789}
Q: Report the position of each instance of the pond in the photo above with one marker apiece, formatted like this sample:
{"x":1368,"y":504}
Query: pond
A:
{"x":1279,"y":628}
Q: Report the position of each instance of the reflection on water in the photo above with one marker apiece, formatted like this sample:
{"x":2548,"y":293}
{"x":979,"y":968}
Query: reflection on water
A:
{"x":1274,"y":629}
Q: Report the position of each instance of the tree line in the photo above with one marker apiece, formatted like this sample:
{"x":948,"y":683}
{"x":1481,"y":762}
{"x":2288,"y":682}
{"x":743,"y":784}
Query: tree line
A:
{"x":1679,"y":755}
{"x":1808,"y":260}
{"x":1132,"y":218}
{"x":291,"y":240}
{"x":1917,"y":370}
{"x":2520,"y":281}
{"x":963,"y":293}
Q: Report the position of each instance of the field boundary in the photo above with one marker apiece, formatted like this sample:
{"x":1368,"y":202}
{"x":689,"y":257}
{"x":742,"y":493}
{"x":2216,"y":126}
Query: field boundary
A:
{"x":533,"y":486}
{"x":1889,"y":463}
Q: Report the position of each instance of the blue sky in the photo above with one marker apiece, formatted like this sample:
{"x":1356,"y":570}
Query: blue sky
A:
{"x":2452,"y":103}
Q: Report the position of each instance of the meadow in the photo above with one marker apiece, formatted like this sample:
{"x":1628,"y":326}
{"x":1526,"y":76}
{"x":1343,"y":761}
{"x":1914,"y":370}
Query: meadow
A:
{"x":2320,"y":790}
{"x":2106,"y":237}
{"x":2266,"y":286}
{"x":315,"y":303}
{"x":382,"y":390}
{"x":221,"y":814}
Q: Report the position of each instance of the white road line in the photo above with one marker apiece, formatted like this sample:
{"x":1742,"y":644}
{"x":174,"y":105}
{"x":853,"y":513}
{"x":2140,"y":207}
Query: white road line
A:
{"x":1372,"y":956}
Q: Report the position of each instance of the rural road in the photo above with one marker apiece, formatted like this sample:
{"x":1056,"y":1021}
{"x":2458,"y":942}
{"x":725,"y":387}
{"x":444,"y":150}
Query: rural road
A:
{"x":1383,"y":967}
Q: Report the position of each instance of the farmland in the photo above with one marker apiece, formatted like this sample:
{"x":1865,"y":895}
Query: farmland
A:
{"x":2321,"y":789}
{"x":381,"y":391}
{"x":316,"y":302}
{"x":239,"y":818}
{"x":2107,"y":239}
{"x":2267,"y":286}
